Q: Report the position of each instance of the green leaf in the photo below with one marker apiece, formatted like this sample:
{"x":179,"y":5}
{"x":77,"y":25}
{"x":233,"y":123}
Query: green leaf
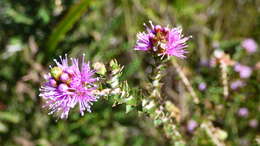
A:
{"x":3,"y":128}
{"x":10,"y":117}
{"x":131,"y":100}
{"x":44,"y":15}
{"x":132,"y":67}
{"x":129,"y":108}
{"x":73,"y":15}
{"x":19,"y":17}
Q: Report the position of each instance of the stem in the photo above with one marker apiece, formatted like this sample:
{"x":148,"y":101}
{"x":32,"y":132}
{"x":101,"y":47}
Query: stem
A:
{"x":185,"y":81}
{"x":155,"y":98}
{"x":223,"y":67}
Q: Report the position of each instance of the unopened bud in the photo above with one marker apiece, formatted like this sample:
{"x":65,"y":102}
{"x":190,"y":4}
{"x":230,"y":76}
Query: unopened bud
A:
{"x":100,"y":68}
{"x":53,"y":83}
{"x":56,"y":72}
{"x":63,"y":87}
{"x":64,"y":77}
{"x":113,"y":64}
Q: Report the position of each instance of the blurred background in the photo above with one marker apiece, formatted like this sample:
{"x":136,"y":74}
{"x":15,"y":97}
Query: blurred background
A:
{"x":34,"y":32}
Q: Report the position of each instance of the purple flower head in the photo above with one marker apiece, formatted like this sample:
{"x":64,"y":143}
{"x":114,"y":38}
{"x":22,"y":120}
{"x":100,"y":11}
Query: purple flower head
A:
{"x":250,"y":45}
{"x":253,"y":123}
{"x":162,"y":41}
{"x":202,"y":86}
{"x":191,"y":125}
{"x":237,"y":84}
{"x":243,"y":112}
{"x":244,"y":71}
{"x":68,"y":85}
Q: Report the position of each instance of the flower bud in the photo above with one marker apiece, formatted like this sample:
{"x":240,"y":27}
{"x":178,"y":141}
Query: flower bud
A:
{"x":63,"y":87}
{"x":113,"y":64}
{"x":53,"y":83}
{"x":100,"y":68}
{"x":64,"y":77}
{"x":56,"y":72}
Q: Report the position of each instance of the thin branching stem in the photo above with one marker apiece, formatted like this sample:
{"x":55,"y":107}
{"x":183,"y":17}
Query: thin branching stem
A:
{"x":185,"y":81}
{"x":223,"y":67}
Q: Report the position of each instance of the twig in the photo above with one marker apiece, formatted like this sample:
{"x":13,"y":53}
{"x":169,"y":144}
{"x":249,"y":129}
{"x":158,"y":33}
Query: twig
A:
{"x":225,"y":61}
{"x":223,"y":67}
{"x":185,"y":81}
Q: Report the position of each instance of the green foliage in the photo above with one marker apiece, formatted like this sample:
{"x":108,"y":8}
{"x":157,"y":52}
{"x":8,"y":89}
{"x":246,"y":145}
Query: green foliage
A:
{"x":73,"y":15}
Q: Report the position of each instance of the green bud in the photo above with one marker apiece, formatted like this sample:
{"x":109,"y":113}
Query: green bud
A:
{"x":56,"y":72}
{"x":100,"y":68}
{"x":113,"y":64}
{"x":222,"y":134}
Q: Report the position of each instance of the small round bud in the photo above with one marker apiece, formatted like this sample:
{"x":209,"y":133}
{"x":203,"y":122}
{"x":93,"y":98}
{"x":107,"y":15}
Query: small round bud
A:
{"x":56,"y":72}
{"x":64,"y":77}
{"x":53,"y":83}
{"x":166,"y":29}
{"x":63,"y":87}
{"x":113,"y":63}
{"x":151,"y":35}
{"x":100,"y":68}
{"x":158,"y":28}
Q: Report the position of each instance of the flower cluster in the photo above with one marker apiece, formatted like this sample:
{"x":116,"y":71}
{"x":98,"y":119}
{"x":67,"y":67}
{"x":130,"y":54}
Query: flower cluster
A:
{"x":71,"y":84}
{"x":68,"y":85}
{"x":162,"y":41}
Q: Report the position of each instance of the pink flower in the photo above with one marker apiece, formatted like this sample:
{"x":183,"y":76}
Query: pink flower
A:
{"x":253,"y":123}
{"x":250,"y":45}
{"x":162,"y":41}
{"x":68,"y":85}
{"x":191,"y":125}
{"x":243,"y":70}
{"x":243,"y":112}
{"x":237,"y":84}
{"x":202,"y":86}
